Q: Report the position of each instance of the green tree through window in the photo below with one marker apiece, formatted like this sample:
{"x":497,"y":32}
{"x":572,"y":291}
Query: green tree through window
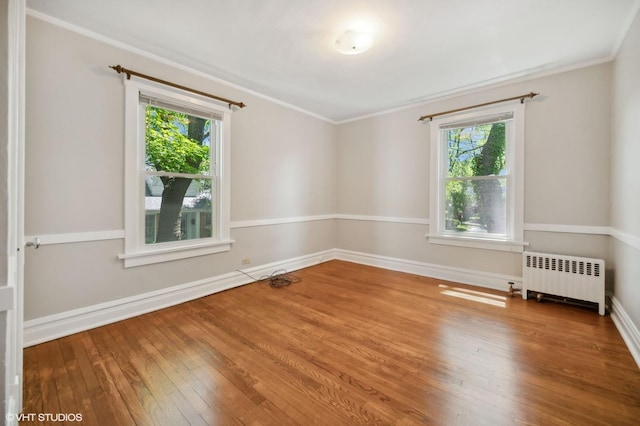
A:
{"x":177,"y":149}
{"x":475,"y":180}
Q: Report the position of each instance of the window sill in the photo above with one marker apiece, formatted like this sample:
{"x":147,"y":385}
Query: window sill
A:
{"x":173,"y":253}
{"x":480,"y":243}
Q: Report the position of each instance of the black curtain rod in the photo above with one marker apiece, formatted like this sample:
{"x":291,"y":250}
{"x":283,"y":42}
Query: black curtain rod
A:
{"x":521,"y":97}
{"x":129,"y":73}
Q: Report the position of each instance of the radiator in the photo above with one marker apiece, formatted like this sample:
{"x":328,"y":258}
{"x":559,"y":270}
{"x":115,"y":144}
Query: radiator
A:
{"x":578,"y":278}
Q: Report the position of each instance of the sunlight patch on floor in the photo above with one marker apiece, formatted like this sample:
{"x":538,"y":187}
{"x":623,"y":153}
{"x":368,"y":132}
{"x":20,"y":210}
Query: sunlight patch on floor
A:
{"x":476,"y":296}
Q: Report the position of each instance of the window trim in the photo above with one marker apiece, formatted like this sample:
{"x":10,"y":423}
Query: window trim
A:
{"x":136,"y":252}
{"x":514,"y":241}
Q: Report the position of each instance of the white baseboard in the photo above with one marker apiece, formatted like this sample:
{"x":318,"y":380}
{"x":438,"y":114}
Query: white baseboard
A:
{"x":51,"y":327}
{"x":447,"y":273}
{"x":63,"y":324}
{"x":627,"y":329}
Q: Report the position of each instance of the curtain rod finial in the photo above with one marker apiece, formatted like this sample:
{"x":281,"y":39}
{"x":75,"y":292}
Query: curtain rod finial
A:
{"x":531,"y":95}
{"x":119,"y":69}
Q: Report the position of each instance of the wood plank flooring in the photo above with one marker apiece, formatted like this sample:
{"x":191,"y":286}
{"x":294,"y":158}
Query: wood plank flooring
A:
{"x":349,"y":344}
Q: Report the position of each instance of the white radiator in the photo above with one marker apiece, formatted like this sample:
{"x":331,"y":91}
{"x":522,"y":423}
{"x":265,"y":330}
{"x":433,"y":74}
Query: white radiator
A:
{"x":578,"y":278}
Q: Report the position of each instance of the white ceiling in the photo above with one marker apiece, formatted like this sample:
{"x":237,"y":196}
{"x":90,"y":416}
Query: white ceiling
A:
{"x":424,"y":48}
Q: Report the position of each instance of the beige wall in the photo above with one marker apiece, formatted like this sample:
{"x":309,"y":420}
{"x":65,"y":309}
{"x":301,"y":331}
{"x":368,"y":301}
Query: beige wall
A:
{"x":383,"y":166}
{"x":625,"y":180}
{"x":282,"y":166}
{"x":383,"y":170}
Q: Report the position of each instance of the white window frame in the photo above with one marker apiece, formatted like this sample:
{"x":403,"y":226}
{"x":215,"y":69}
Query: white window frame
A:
{"x":136,"y":252}
{"x":514,"y":152}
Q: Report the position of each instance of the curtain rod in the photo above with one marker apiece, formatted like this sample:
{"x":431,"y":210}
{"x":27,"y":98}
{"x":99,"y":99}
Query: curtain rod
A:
{"x":521,"y":97}
{"x":129,"y":73}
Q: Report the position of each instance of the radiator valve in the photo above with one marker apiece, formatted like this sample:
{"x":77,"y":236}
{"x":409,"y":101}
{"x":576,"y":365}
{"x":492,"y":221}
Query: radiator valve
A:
{"x":513,"y":290}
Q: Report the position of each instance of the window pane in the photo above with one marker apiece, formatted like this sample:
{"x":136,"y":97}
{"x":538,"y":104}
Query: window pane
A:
{"x":176,"y":142}
{"x":476,"y":206}
{"x":476,"y":150}
{"x":177,"y":209}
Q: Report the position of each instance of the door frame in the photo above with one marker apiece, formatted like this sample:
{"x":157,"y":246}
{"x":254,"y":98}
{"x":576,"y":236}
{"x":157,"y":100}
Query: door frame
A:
{"x":16,"y":23}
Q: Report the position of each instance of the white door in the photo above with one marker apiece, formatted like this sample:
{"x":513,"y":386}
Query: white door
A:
{"x":11,"y":295}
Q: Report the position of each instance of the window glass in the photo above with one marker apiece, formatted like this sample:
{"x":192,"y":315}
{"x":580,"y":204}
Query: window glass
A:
{"x":196,"y":205}
{"x":475,"y":197}
{"x":178,"y":182}
{"x":477,"y":206}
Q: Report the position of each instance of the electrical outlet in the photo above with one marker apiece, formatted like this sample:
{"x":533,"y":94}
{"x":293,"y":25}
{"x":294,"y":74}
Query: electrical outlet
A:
{"x":246,"y":261}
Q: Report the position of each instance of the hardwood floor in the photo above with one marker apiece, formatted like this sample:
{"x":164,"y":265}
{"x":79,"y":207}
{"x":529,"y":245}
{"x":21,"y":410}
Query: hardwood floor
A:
{"x":349,"y":344}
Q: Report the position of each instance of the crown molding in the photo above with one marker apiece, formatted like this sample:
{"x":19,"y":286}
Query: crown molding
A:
{"x":129,"y":48}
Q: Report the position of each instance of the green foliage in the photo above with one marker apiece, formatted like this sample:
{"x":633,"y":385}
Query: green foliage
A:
{"x":473,"y":151}
{"x":177,"y":143}
{"x":168,"y":148}
{"x":464,"y":144}
{"x":491,"y":159}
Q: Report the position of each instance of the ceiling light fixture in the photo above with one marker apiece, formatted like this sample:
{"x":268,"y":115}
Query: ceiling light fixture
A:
{"x":353,"y":42}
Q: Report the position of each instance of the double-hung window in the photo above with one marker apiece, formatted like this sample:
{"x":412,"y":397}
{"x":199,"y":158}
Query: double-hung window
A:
{"x":477,"y":179}
{"x":176,"y":175}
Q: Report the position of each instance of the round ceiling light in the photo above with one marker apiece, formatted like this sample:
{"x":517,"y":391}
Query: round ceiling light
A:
{"x":353,"y":42}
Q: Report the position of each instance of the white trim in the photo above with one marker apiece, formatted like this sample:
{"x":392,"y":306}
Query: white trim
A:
{"x":174,"y":253}
{"x":7,"y":298}
{"x":626,"y":328}
{"x":77,"y":237}
{"x":625,"y":237}
{"x":570,"y":229}
{"x":392,"y":219}
{"x":479,"y":243}
{"x":14,"y":177}
{"x":448,"y":273}
{"x":63,"y":324}
{"x":279,"y":221}
{"x":127,"y":47}
{"x":484,"y":86}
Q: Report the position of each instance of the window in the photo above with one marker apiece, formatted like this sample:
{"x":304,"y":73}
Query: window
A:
{"x":176,"y":175}
{"x":477,"y":179}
